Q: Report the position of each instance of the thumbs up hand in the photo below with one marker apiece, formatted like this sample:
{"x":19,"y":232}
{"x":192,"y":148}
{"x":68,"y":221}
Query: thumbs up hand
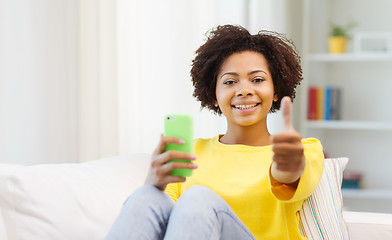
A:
{"x":288,"y":161}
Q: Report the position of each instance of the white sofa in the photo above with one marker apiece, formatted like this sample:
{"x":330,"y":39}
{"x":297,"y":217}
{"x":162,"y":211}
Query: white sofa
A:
{"x":81,"y":201}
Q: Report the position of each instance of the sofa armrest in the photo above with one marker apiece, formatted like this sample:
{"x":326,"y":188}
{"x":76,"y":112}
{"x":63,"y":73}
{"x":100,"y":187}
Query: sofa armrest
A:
{"x":364,"y":225}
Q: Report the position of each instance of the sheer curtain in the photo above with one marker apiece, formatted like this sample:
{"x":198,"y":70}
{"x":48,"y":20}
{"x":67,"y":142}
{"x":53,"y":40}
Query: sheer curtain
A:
{"x":154,"y":43}
{"x":98,"y":104}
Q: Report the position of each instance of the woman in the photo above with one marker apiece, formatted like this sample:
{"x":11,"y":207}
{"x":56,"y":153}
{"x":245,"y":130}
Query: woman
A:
{"x":246,"y":184}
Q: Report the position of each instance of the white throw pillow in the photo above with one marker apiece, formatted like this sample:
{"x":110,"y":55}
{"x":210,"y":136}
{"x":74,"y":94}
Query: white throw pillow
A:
{"x":67,"y":201}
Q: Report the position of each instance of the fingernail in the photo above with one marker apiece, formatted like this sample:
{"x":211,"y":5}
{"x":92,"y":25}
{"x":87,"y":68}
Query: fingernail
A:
{"x":180,"y":141}
{"x":194,"y":165}
{"x":193,"y":156}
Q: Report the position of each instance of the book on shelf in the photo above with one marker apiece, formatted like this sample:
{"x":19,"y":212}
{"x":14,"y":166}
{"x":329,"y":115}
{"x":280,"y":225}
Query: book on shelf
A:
{"x":352,"y":180}
{"x":320,"y":103}
{"x":324,"y":103}
{"x":312,"y":101}
{"x":335,"y":109}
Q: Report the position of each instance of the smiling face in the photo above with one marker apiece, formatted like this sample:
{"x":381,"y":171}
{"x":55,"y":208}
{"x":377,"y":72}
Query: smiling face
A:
{"x":244,"y":89}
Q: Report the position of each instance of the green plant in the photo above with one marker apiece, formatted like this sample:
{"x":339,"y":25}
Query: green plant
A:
{"x":342,"y":31}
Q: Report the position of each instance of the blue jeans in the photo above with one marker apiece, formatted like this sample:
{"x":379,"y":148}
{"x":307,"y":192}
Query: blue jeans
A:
{"x":199,"y":213}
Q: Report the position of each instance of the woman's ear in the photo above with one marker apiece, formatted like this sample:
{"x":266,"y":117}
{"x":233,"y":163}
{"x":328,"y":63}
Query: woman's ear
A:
{"x":276,"y":98}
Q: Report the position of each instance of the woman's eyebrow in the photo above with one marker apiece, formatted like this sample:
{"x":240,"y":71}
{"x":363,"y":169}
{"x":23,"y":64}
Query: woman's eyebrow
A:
{"x":230,"y":73}
{"x":257,"y":71}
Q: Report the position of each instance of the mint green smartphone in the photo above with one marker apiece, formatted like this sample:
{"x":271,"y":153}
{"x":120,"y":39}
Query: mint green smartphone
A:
{"x":180,"y":126}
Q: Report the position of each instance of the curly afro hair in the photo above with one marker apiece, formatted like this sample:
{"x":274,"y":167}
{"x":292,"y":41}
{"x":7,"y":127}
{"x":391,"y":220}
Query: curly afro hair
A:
{"x":280,"y":53}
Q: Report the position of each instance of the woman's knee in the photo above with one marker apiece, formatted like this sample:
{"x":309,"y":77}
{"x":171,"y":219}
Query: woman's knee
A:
{"x":199,"y":191}
{"x":149,"y":197}
{"x":200,"y":197}
{"x":198,"y":207}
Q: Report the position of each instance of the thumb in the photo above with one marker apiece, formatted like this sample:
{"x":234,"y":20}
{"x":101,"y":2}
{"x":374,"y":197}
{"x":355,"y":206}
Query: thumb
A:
{"x":285,"y":106}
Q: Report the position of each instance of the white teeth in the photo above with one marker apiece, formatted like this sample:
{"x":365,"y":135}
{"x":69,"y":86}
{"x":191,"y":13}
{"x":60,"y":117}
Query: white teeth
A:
{"x":243,"y":107}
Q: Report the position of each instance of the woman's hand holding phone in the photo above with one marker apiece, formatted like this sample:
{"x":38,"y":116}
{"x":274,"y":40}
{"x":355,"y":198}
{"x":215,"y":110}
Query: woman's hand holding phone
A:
{"x":161,"y":166}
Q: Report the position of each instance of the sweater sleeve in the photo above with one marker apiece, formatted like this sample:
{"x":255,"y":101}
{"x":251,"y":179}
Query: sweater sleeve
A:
{"x":173,"y":190}
{"x":314,"y":164}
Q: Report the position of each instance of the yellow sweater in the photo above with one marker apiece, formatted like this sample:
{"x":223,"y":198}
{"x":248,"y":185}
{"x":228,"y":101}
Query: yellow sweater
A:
{"x":240,"y":175}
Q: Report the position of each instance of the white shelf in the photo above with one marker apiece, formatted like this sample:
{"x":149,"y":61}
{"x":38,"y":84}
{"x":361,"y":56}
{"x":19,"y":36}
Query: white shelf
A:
{"x":367,"y":193}
{"x":350,"y":57}
{"x":353,"y":125}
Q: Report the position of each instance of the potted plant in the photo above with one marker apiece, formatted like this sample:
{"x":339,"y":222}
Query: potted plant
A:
{"x":338,"y":38}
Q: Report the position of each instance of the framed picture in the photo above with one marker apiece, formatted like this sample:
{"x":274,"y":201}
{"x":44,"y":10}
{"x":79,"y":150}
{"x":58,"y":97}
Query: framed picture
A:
{"x":373,"y":42}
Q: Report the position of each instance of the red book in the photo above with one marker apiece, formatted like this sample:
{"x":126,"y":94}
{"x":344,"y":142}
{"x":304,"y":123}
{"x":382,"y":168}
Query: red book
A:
{"x":312,"y":103}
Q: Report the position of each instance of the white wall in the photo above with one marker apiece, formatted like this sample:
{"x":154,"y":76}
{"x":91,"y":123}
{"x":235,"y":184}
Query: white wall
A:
{"x":39,"y":71}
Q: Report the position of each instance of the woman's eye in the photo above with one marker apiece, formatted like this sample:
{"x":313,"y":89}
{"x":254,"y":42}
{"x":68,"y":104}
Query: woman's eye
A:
{"x":229,"y":82}
{"x":258,"y":80}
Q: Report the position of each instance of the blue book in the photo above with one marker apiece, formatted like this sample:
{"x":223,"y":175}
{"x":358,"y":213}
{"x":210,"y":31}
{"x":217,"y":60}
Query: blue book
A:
{"x":327,"y":103}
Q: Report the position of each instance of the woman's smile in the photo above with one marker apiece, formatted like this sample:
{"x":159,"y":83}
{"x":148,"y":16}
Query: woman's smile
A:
{"x":245,"y":108}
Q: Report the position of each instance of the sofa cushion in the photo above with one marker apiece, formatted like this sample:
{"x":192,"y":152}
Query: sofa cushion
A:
{"x":67,"y":201}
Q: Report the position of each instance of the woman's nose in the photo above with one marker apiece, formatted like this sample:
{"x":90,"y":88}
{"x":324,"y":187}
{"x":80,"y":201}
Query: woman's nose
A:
{"x":244,"y":90}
